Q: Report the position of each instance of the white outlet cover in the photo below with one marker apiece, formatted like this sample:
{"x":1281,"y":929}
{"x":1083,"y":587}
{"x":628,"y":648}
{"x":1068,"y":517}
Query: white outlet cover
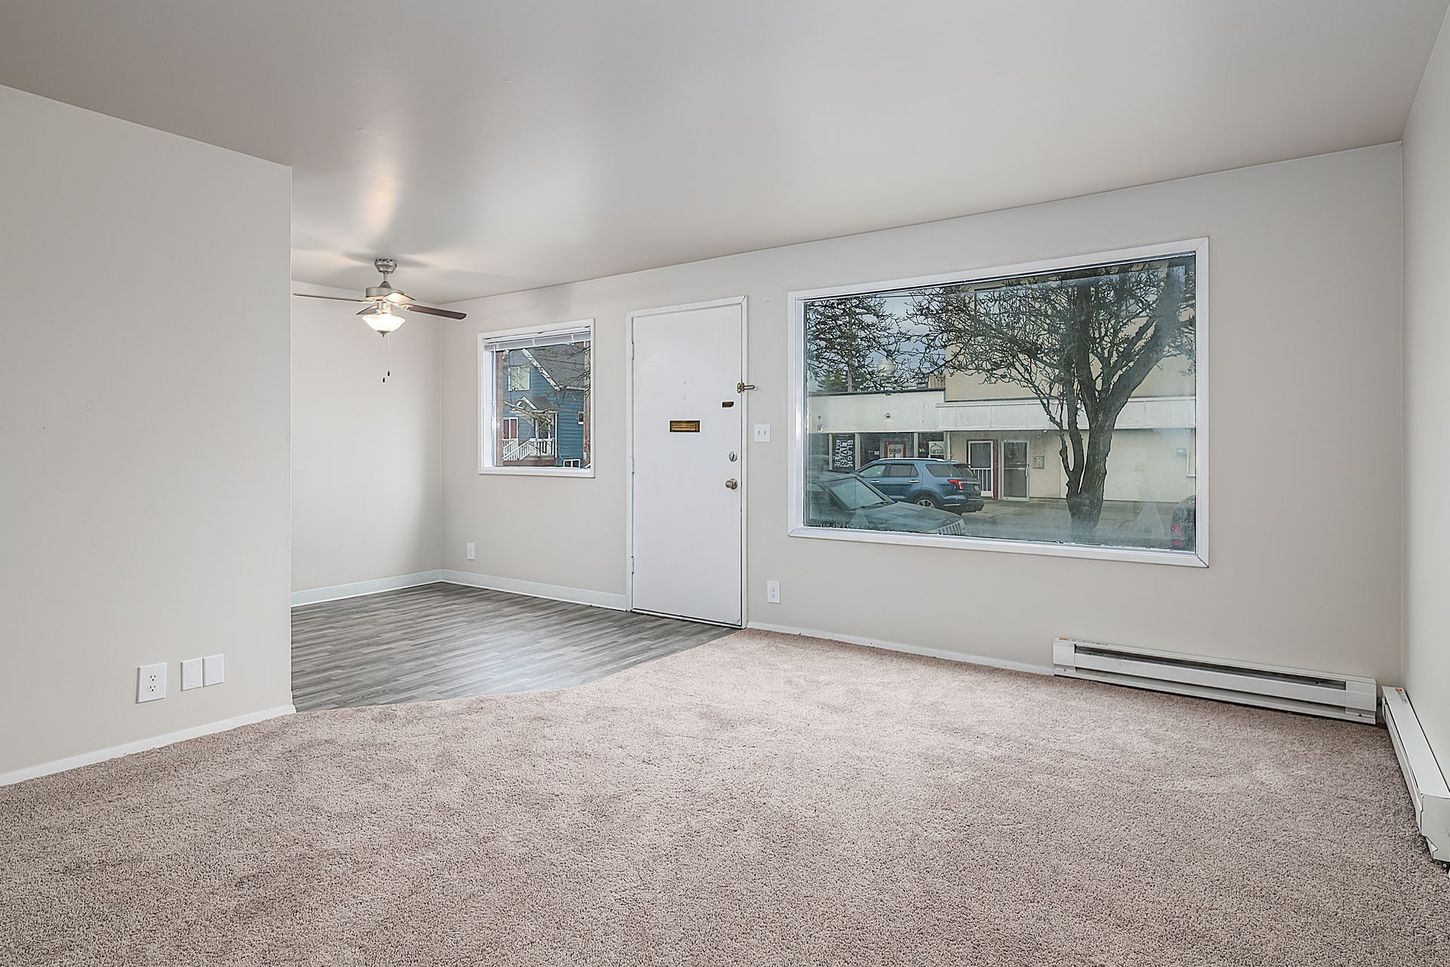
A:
{"x":191,"y":674}
{"x":151,"y":682}
{"x":772,"y":592}
{"x":762,"y":433}
{"x":214,"y":669}
{"x":472,"y":551}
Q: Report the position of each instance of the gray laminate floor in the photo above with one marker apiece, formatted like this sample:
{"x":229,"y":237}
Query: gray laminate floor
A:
{"x":447,"y":641}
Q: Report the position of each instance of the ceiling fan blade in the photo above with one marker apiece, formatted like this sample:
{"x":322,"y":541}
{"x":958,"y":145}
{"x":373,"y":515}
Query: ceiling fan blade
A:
{"x":430,"y":310}
{"x":334,"y":298}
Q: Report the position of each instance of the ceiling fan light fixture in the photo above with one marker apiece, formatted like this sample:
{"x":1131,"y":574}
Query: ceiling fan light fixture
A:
{"x":383,"y":317}
{"x":384,"y":312}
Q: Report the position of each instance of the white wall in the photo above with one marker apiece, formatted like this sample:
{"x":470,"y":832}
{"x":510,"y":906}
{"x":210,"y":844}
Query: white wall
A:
{"x":367,"y":492}
{"x":1304,"y":316}
{"x":1427,"y":355}
{"x":143,"y":429}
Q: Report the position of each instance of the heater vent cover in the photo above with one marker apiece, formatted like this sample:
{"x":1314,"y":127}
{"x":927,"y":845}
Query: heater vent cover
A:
{"x":1428,"y":789}
{"x":1269,"y":686}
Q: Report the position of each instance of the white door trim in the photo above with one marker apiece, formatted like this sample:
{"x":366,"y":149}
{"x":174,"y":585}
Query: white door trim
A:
{"x":744,"y":451}
{"x":1026,"y":467}
{"x":991,"y":467}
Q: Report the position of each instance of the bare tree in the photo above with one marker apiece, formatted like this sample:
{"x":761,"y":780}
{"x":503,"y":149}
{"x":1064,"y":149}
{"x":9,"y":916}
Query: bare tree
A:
{"x":1081,"y":342}
{"x":846,"y":340}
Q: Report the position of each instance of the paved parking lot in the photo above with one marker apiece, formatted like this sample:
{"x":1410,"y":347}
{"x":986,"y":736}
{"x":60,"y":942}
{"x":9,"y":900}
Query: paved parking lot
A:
{"x":1128,"y":523}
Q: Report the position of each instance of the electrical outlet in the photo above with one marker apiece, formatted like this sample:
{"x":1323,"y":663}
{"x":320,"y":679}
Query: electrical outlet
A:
{"x":151,"y":682}
{"x":762,"y":433}
{"x":191,"y":674}
{"x":472,"y":552}
{"x":772,"y":592}
{"x":214,"y":670}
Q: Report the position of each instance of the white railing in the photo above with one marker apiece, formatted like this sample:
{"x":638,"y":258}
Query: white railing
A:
{"x":515,"y":450}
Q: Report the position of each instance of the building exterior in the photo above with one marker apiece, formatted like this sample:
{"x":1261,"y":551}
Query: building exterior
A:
{"x":1002,"y":433}
{"x":543,"y":418}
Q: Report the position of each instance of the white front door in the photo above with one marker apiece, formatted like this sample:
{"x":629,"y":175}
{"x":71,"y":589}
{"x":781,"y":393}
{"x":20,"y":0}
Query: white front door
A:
{"x":687,"y":482}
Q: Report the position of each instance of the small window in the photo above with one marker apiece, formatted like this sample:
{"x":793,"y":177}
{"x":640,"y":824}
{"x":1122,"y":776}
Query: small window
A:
{"x":945,"y":470}
{"x":536,"y":397}
{"x":518,"y":376}
{"x":873,"y":472}
{"x":900,"y":470}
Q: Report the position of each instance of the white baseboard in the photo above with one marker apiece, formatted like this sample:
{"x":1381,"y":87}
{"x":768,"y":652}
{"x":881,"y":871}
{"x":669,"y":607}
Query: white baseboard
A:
{"x":359,"y":588}
{"x":1428,"y":786}
{"x":533,"y":589}
{"x":140,"y":745}
{"x":554,"y":592}
{"x":1017,"y":666}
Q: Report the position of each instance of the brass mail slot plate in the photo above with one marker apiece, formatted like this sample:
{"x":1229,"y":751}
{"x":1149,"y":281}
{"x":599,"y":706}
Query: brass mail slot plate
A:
{"x":684,"y":426}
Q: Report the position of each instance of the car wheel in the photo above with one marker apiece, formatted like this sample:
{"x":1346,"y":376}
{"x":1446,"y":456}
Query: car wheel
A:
{"x":927,"y":500}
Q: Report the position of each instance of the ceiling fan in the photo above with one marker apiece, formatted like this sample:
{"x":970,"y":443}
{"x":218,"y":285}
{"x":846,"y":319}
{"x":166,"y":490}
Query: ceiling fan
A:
{"x":386,"y":304}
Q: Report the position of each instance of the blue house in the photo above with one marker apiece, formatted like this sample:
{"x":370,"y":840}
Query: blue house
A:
{"x":544,"y":411}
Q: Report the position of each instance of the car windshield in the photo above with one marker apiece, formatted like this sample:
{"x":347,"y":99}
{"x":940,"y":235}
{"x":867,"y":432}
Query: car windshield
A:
{"x":856,"y":494}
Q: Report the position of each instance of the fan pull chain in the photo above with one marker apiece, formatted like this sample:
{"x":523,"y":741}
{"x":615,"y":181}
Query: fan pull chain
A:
{"x":387,"y":369}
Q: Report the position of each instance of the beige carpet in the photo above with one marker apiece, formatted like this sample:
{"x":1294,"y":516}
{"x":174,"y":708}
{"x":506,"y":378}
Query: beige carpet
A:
{"x":759,"y":800}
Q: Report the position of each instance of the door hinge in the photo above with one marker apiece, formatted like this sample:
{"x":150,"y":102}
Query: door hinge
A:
{"x":742,"y":387}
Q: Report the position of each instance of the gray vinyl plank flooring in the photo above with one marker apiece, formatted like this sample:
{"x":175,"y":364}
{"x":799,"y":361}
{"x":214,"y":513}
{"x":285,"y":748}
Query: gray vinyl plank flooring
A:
{"x":448,"y":641}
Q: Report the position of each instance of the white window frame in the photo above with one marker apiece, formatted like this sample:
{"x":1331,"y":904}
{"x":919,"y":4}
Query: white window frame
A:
{"x":488,"y":427}
{"x":508,"y":374}
{"x":796,"y":374}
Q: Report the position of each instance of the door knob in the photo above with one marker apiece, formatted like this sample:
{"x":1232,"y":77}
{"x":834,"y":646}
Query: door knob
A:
{"x":731,"y":484}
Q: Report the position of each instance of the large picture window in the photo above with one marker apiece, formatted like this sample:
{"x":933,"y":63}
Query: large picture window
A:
{"x":535,"y":400}
{"x":1052,"y":408}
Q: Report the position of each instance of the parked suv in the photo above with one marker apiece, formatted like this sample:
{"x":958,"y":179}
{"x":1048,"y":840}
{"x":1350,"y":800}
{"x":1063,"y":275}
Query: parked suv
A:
{"x":930,"y":483}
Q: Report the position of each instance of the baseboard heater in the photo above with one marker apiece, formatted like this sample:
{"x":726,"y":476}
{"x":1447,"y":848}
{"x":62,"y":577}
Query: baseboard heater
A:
{"x":1428,"y":790}
{"x":1268,"y":686}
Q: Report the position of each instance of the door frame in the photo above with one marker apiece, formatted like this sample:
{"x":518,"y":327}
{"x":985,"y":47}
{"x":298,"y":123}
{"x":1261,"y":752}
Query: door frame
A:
{"x":742,"y":400}
{"x":993,"y":464}
{"x":1026,"y":467}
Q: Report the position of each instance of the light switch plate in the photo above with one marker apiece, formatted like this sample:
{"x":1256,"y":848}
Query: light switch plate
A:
{"x":151,"y":682}
{"x":214,"y":669}
{"x":762,"y":433}
{"x":191,"y":674}
{"x":472,"y":551}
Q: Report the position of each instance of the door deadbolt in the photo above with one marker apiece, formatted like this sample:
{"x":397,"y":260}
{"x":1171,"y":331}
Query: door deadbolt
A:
{"x":731,"y":484}
{"x":734,"y":456}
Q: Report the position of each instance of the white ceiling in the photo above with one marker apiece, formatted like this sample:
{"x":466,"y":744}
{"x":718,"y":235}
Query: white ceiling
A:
{"x":494,"y":146}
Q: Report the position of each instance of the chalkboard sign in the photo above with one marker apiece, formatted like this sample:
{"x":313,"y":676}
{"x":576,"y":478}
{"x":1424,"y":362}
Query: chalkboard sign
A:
{"x":843,"y":452}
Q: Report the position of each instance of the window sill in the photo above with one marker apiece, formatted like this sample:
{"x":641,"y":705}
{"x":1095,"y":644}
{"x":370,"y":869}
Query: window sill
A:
{"x":1136,"y":555}
{"x":537,"y":471}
